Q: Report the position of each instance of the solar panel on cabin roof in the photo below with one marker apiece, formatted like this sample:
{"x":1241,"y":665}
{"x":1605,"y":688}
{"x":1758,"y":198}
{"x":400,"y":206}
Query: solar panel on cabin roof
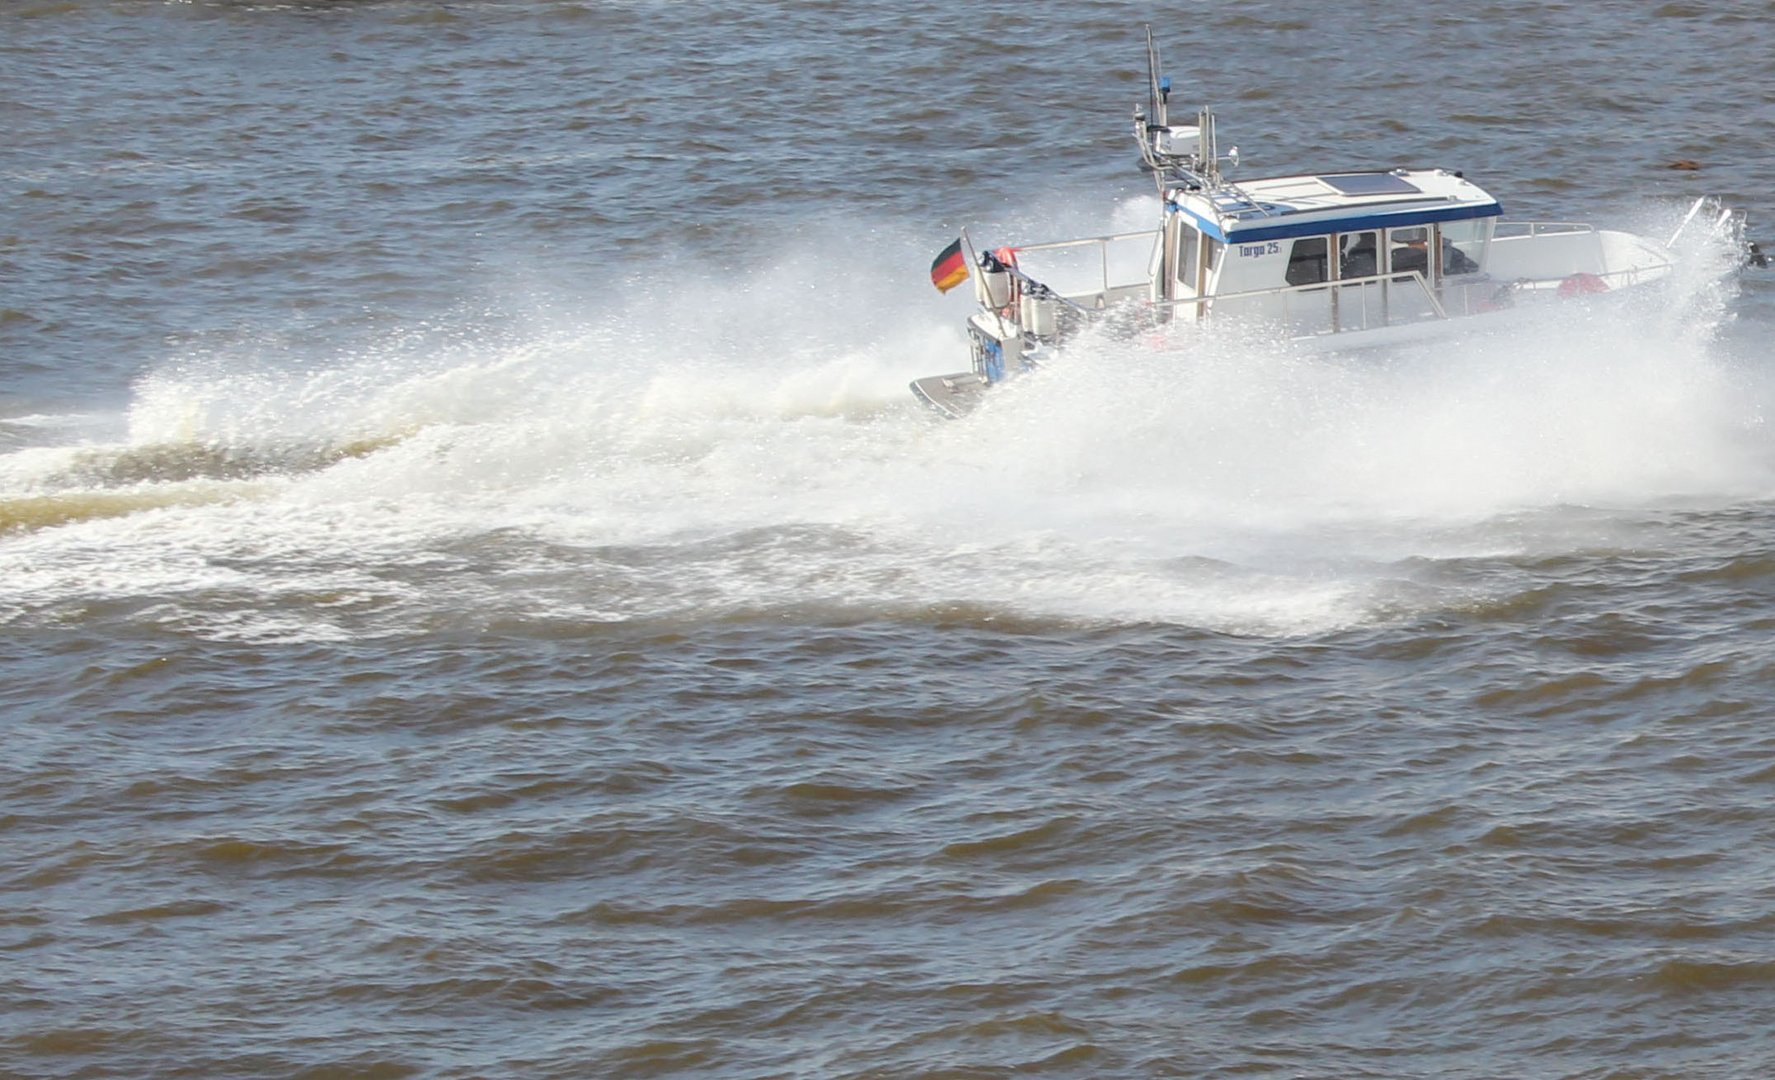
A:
{"x":1371,"y":184}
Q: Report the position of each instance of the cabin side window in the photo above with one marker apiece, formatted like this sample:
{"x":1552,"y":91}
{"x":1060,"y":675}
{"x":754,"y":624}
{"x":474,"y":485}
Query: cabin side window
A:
{"x":1185,"y":264}
{"x":1408,"y":250}
{"x":1306,"y":261}
{"x":1177,"y":261}
{"x":1356,"y":255}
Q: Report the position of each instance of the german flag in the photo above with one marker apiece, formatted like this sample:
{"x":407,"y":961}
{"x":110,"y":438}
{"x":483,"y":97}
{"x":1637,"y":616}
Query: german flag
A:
{"x":950,"y":268}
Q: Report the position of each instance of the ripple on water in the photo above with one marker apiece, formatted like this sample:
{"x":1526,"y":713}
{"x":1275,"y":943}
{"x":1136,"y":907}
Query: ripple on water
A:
{"x":435,"y":649}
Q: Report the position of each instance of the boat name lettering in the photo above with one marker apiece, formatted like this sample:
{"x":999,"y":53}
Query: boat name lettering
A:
{"x":1257,"y":251}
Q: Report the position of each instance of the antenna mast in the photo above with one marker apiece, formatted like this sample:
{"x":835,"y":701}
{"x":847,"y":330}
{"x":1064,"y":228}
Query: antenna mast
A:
{"x":1186,"y":156}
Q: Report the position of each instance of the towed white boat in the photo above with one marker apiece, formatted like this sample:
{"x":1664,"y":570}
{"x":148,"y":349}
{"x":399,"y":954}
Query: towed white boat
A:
{"x":1336,"y":259}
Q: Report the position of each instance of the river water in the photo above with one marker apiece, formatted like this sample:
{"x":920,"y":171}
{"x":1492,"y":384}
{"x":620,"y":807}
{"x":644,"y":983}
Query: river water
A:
{"x":479,"y":599}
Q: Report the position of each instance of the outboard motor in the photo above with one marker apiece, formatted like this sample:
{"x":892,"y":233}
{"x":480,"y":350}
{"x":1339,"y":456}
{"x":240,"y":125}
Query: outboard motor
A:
{"x":994,"y":282}
{"x":1040,"y":312}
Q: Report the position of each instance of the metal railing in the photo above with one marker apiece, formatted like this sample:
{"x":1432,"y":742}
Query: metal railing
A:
{"x":1419,"y":304}
{"x":1103,"y":245}
{"x":1512,"y":229}
{"x":1523,"y":230}
{"x":1331,"y":307}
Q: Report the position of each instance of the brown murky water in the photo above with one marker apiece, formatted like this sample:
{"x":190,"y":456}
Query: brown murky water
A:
{"x":479,"y":600}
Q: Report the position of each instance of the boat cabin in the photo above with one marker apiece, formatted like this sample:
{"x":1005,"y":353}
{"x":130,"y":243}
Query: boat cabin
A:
{"x":1313,"y":255}
{"x":1326,"y":252}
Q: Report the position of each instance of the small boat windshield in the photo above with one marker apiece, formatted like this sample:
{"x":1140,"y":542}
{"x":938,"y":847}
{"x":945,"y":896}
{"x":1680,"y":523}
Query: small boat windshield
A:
{"x":1464,"y":245}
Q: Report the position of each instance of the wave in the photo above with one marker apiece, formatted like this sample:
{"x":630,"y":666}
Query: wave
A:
{"x":48,"y":511}
{"x":756,"y":449}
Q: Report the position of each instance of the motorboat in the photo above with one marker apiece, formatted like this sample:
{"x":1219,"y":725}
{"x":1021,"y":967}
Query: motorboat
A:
{"x":1343,"y":259}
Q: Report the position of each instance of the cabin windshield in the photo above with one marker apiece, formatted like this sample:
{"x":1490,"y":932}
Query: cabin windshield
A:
{"x":1464,"y":245}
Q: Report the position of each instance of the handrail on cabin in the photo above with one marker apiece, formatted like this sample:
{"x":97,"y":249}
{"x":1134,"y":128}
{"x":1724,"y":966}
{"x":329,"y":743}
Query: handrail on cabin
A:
{"x":1397,"y":277}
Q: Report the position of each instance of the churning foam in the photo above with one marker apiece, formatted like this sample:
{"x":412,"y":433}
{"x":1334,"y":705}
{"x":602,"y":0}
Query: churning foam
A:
{"x":740,"y":443}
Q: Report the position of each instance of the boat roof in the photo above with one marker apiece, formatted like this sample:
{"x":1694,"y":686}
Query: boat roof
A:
{"x":1280,"y":207}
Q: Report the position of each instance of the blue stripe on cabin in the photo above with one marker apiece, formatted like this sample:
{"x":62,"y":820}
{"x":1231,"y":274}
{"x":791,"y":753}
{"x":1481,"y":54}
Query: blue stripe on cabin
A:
{"x":1269,"y":228}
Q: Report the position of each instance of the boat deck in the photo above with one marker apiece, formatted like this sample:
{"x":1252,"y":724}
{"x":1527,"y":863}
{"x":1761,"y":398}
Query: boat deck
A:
{"x":953,"y":395}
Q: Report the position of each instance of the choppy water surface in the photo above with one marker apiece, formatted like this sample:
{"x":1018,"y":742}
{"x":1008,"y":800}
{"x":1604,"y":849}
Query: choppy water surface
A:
{"x":480,"y":601}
